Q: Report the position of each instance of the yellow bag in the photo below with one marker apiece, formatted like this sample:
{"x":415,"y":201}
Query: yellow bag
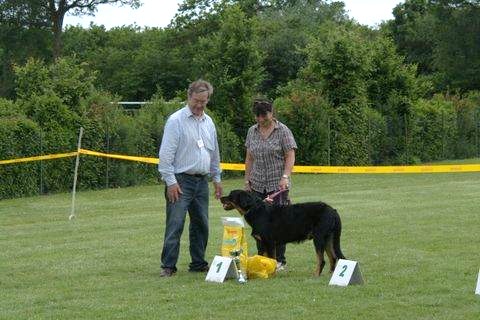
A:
{"x":261,"y":267}
{"x":234,"y":240}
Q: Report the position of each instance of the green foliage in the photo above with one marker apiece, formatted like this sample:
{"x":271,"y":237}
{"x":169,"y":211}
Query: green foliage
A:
{"x":457,"y":50}
{"x":392,"y":89}
{"x":8,"y":108}
{"x":59,"y":128}
{"x":152,"y":118}
{"x":23,"y":34}
{"x":111,"y":130}
{"x":283,"y":31}
{"x":349,"y":124}
{"x":468,"y":125}
{"x":55,"y":98}
{"x":432,"y":131}
{"x":95,"y":171}
{"x":18,"y":139}
{"x":116,"y":61}
{"x":413,"y":30}
{"x":307,"y":115}
{"x":442,"y":38}
{"x":230,"y":59}
{"x":49,"y":15}
{"x":160,"y":65}
{"x":391,"y":76}
{"x":49,"y":111}
{"x":65,"y":79}
{"x":50,"y":96}
{"x":130,"y":63}
{"x":84,"y":44}
{"x":129,"y":138}
{"x":339,"y":61}
{"x":229,"y":143}
{"x":376,"y":137}
{"x":339,"y":64}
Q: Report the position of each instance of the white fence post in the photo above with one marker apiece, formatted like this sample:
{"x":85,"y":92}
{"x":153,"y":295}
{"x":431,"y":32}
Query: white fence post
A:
{"x":77,"y":160}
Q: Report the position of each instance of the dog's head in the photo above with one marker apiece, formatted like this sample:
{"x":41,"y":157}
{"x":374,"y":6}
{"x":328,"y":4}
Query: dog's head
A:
{"x":240,"y":200}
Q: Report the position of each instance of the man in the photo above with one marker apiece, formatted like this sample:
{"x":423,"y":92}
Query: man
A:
{"x":188,"y":154}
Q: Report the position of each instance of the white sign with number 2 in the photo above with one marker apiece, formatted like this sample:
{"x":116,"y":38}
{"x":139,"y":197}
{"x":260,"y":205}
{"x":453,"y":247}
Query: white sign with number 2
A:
{"x":346,"y":272}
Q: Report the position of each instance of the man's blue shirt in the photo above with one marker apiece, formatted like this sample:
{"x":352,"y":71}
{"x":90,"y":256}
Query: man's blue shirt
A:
{"x":189,"y":145}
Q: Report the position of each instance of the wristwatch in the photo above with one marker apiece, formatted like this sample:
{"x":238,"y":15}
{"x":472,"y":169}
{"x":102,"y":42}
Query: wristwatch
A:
{"x":284,"y":176}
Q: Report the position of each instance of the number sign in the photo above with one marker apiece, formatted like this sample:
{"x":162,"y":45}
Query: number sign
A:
{"x":346,"y":272}
{"x":221,"y":269}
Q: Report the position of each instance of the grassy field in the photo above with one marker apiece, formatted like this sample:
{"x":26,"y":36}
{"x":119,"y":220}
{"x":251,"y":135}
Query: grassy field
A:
{"x":415,"y":236}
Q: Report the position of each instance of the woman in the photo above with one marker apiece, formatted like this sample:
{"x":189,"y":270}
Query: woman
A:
{"x":269,"y":161}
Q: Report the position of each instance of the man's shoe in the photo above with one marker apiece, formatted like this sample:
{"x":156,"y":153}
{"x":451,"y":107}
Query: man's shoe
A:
{"x":281,"y":266}
{"x":202,"y":269}
{"x":167,"y":272}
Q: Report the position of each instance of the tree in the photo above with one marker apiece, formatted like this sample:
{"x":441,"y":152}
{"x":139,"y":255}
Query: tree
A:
{"x":24,"y":33}
{"x":413,"y":30}
{"x":25,"y":13}
{"x":457,"y":50}
{"x":393,"y":88}
{"x":50,"y":14}
{"x":230,"y":59}
{"x":338,"y":67}
{"x":131,"y":63}
{"x":57,"y":9}
{"x":191,"y":11}
{"x":441,"y":37}
{"x":284,"y":31}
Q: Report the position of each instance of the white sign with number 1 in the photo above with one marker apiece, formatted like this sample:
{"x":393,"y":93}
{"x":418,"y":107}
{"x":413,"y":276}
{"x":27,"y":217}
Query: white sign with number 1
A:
{"x":221,"y":269}
{"x":346,"y":272}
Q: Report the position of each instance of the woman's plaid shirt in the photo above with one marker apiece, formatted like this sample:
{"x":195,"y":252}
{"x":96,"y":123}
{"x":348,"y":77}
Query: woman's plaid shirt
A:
{"x":268,"y":156}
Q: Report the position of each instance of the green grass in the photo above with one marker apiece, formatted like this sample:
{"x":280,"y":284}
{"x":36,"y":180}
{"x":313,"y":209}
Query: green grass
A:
{"x":415,"y":237}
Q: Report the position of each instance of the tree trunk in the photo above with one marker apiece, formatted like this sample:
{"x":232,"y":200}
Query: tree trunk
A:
{"x":57,"y":39}
{"x":57,"y":16}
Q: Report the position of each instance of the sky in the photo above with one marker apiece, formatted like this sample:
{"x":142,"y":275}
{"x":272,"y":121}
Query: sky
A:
{"x":158,"y":13}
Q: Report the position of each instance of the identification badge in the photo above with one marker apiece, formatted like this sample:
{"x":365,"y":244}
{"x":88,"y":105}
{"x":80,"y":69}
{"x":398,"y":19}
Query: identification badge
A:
{"x":200,"y":143}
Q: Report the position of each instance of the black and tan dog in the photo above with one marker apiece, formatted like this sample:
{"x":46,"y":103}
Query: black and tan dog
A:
{"x":272,"y":224}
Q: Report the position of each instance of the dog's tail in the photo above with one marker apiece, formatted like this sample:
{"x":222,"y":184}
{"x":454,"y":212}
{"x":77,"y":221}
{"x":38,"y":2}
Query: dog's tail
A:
{"x":336,"y":236}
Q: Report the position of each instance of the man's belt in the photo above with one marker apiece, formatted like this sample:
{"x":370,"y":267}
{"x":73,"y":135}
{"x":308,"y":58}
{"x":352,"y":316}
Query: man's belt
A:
{"x":196,"y":175}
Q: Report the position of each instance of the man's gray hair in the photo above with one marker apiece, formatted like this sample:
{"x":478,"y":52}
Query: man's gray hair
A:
{"x":200,"y":86}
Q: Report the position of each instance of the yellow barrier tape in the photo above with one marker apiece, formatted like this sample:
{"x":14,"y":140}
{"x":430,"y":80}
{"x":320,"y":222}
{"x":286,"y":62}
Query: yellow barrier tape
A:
{"x":224,"y":166}
{"x":37,"y":158}
{"x":119,"y":156}
{"x":233,"y":166}
{"x":296,"y":169}
{"x":388,"y":169}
